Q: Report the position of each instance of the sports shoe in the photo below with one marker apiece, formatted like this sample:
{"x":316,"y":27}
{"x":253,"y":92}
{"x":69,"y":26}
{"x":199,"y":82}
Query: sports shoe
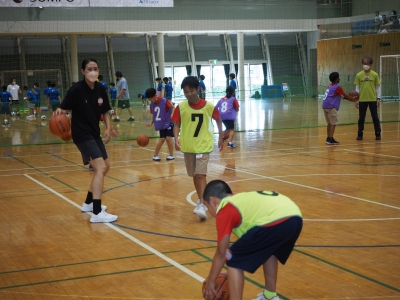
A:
{"x":332,"y":141}
{"x":378,"y":136}
{"x":89,"y":207}
{"x":359,"y":137}
{"x":116,"y":120}
{"x":170,"y":157}
{"x":103,"y":217}
{"x":131,"y":119}
{"x":200,"y":211}
{"x":260,"y":296}
{"x":231,"y":145}
{"x":156,"y":158}
{"x":90,"y":168}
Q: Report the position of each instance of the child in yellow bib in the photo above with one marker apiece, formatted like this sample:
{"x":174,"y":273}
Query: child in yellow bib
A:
{"x":267,"y":224}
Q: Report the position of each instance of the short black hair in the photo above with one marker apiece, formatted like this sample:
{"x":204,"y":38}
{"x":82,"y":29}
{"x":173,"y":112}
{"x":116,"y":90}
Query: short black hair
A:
{"x":49,"y":82}
{"x":158,"y":78}
{"x":232,"y":75}
{"x":216,"y":188}
{"x":112,"y":83}
{"x":36,"y":83}
{"x":100,"y":77}
{"x":86,"y":61}
{"x":4,"y":88}
{"x":165,"y":79}
{"x":53,"y":84}
{"x":151,"y":92}
{"x":202,"y":77}
{"x":367,"y":58}
{"x":190,"y":81}
{"x":230,"y":90}
{"x":333,"y":76}
{"x":25,"y":87}
{"x":139,"y":95}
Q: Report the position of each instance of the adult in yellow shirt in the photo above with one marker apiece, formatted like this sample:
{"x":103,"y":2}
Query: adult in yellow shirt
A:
{"x":368,"y":85}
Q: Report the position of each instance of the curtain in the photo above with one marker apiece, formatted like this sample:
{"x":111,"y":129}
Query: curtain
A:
{"x":189,"y":70}
{"x":264,"y":66}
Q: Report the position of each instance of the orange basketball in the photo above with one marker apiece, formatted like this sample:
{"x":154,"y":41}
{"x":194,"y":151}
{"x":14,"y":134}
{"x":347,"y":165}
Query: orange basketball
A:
{"x":60,"y":126}
{"x":354,"y":93}
{"x":142,"y":140}
{"x":222,"y":287}
{"x":67,"y":137}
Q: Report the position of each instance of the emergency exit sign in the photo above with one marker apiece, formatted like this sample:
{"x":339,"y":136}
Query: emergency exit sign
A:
{"x":213,"y":61}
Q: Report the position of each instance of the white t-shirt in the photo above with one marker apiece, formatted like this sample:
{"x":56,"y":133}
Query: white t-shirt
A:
{"x":13,"y":89}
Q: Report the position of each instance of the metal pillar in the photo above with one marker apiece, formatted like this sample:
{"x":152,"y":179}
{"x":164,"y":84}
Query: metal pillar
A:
{"x":240,"y":46}
{"x":303,"y":61}
{"x":74,"y":59}
{"x":22,"y":62}
{"x":64,"y":43}
{"x":191,"y":55}
{"x":229,"y":53}
{"x":151,"y":56}
{"x":110,"y":58}
{"x":161,"y":58}
{"x":267,"y":57}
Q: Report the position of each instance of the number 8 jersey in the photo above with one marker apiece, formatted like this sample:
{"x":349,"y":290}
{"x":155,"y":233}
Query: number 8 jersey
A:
{"x":197,"y":129}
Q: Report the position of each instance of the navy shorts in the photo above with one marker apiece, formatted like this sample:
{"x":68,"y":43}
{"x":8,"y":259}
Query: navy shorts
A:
{"x":167,"y":132}
{"x":257,"y":245}
{"x":92,"y":149}
{"x":229,"y":124}
{"x":5,"y":110}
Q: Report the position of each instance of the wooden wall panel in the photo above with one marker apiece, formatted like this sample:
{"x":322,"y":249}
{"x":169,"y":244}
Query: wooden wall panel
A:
{"x":338,"y":55}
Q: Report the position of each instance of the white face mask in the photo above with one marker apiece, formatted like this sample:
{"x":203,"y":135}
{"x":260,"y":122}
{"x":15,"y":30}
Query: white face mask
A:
{"x":92,"y":76}
{"x":366,"y":67}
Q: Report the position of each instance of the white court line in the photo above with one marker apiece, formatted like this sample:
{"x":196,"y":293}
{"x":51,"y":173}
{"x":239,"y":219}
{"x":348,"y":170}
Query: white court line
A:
{"x":133,"y":239}
{"x":375,"y":154}
{"x":189,"y":199}
{"x":304,"y":186}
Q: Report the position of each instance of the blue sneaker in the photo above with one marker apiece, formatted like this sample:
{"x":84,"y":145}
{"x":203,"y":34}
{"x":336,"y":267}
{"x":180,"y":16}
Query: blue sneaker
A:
{"x":231,"y":145}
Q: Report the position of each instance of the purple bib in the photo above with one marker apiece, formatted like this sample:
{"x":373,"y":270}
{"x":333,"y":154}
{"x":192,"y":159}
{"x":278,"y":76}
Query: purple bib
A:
{"x":162,"y":118}
{"x":226,"y":109}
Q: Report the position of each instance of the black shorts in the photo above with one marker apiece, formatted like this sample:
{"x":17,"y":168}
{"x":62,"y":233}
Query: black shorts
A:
{"x":167,"y":132}
{"x":123,"y":104}
{"x":92,"y":149}
{"x":14,"y":102}
{"x":257,"y":245}
{"x":5,"y":110}
{"x":229,"y":124}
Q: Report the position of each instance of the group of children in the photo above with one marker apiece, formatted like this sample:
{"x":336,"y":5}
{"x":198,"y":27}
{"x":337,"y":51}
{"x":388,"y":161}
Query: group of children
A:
{"x":9,"y":97}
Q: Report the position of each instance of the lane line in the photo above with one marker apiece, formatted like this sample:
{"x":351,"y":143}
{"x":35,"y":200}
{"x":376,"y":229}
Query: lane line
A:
{"x":314,"y":188}
{"x":130,"y":237}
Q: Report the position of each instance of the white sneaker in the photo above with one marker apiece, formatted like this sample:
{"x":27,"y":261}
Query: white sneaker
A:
{"x":200,"y":211}
{"x":156,"y":158}
{"x":89,"y":207}
{"x":260,"y":296}
{"x":170,"y":157}
{"x":103,"y":217}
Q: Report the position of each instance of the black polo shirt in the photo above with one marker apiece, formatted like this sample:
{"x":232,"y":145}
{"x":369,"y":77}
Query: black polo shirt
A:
{"x":87,"y":106}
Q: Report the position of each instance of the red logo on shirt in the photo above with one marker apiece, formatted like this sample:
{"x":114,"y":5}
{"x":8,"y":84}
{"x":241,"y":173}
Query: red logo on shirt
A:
{"x":100,"y":101}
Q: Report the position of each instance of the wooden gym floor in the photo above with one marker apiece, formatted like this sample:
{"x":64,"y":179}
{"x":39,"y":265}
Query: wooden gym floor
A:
{"x":157,"y":249}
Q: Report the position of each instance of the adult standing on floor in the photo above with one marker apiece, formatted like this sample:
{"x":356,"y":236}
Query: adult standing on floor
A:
{"x":123,"y":97}
{"x":88,"y":100}
{"x":368,"y":85}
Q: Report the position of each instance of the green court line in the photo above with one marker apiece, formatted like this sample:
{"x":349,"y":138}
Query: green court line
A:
{"x":74,"y":163}
{"x":94,"y":276}
{"x":348,"y":271}
{"x":52,"y":177}
{"x":245,"y":277}
{"x":99,"y":261}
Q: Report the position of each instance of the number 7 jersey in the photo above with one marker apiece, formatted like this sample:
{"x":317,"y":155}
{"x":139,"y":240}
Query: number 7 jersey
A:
{"x":197,"y":129}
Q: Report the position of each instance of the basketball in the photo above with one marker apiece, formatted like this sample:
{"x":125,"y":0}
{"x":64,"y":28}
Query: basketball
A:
{"x":354,"y":94}
{"x":60,"y":126}
{"x":67,"y":137}
{"x":142,"y":140}
{"x":222,"y":287}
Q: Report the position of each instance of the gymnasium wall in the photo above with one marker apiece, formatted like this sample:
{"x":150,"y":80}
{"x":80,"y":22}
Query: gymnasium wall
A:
{"x":341,"y":55}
